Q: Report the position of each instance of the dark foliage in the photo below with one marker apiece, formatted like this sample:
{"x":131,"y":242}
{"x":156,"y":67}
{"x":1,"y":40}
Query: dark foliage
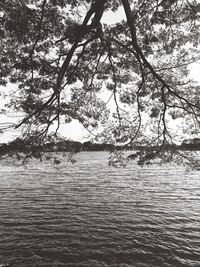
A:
{"x":62,"y":57}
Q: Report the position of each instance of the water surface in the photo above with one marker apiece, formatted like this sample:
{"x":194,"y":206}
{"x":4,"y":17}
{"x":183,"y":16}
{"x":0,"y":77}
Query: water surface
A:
{"x":92,"y":215}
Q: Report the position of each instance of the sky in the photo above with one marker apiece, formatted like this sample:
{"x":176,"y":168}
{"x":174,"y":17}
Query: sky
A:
{"x":73,"y":130}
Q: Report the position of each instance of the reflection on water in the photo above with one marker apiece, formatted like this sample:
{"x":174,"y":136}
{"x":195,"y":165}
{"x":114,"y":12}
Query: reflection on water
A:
{"x":92,"y":215}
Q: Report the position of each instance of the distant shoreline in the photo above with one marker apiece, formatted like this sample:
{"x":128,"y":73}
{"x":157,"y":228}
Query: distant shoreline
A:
{"x":18,"y":145}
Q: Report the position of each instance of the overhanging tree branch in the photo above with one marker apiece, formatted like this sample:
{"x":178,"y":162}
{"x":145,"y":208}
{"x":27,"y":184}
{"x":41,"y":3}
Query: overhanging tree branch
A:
{"x":97,"y":9}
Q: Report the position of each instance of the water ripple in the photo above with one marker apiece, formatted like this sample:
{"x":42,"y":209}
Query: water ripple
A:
{"x":92,"y":215}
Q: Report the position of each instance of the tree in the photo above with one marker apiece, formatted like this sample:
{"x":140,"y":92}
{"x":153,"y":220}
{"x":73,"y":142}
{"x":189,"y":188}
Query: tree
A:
{"x":62,"y":56}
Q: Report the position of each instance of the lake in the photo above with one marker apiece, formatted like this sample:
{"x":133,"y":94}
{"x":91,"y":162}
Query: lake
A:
{"x":89,"y":214}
